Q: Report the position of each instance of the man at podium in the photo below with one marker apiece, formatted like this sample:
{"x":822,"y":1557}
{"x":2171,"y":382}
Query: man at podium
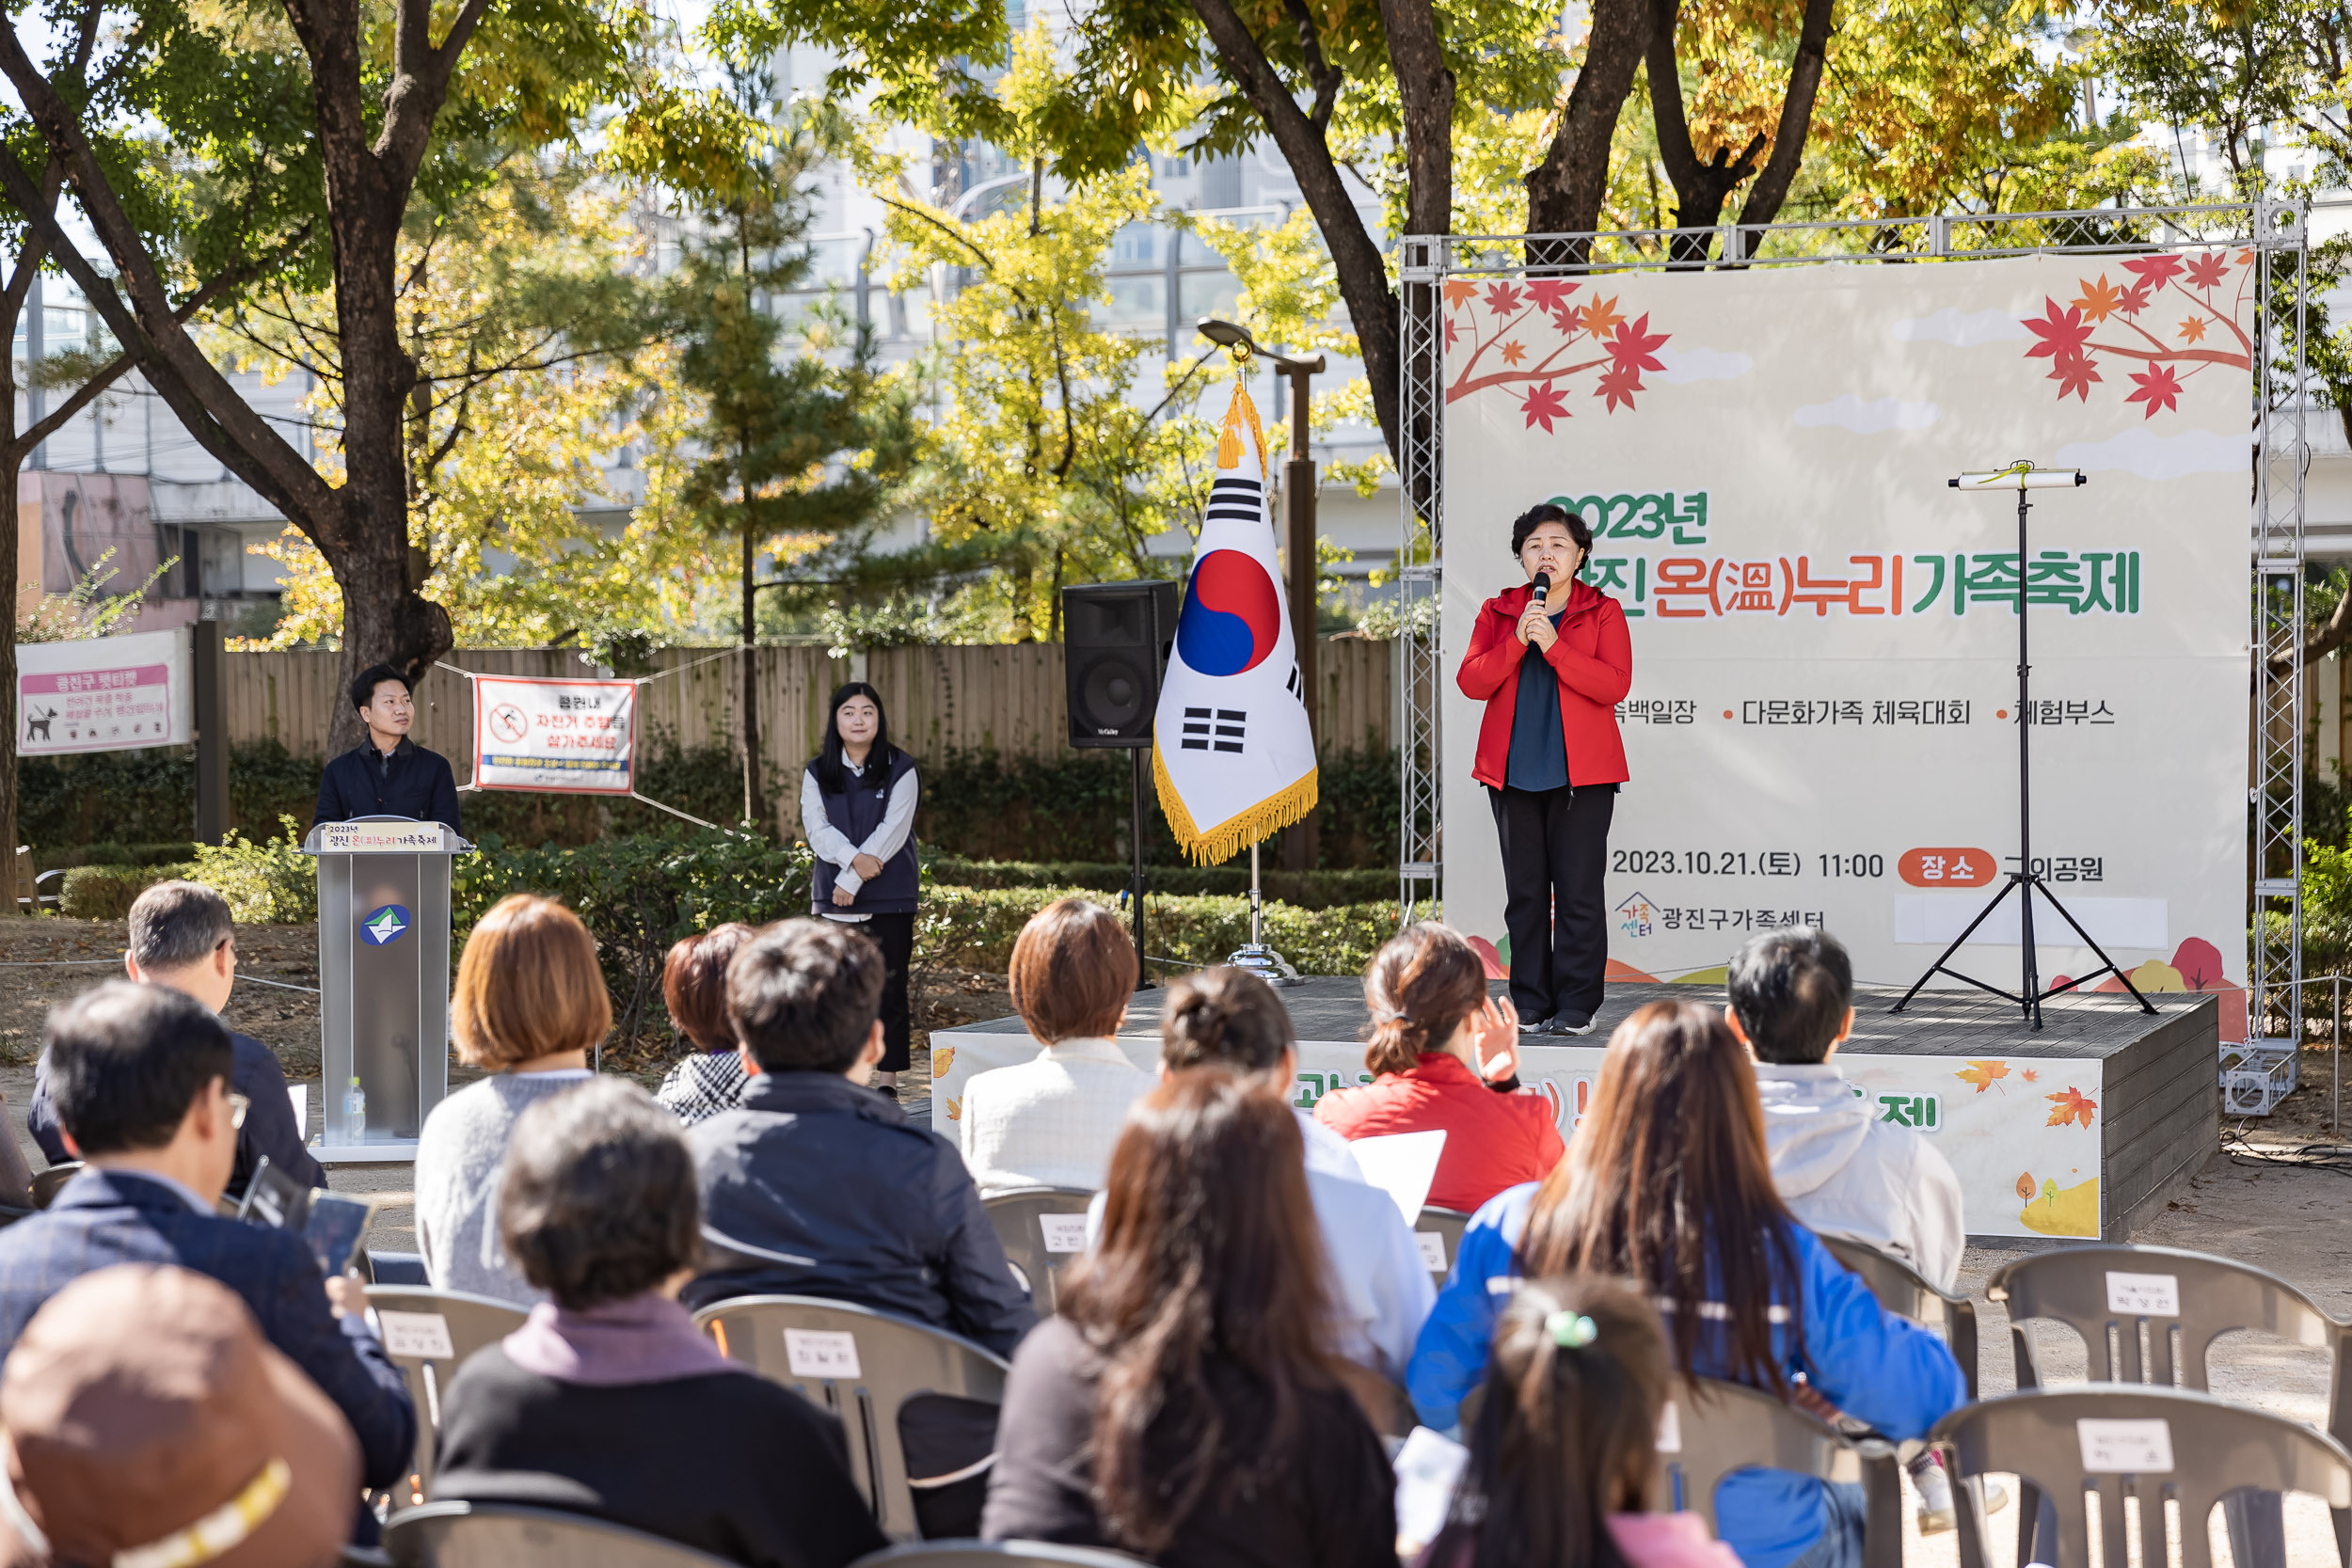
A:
{"x":387,"y":774}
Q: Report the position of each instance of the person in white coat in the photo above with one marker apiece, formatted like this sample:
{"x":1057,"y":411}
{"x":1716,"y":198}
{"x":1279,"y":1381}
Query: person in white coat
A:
{"x":1842,"y":1170}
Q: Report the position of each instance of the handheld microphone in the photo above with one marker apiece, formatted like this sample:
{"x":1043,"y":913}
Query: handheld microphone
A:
{"x":1543,"y":588}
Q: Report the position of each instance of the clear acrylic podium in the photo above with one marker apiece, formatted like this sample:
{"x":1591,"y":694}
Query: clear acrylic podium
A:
{"x":383,"y":981}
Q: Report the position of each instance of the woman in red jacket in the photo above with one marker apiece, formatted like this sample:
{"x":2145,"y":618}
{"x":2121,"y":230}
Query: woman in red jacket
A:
{"x":1551,"y":757}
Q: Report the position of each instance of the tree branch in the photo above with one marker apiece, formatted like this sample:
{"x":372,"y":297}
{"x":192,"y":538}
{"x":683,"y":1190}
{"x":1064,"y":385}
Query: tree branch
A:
{"x":1564,"y":191}
{"x":1796,"y":118}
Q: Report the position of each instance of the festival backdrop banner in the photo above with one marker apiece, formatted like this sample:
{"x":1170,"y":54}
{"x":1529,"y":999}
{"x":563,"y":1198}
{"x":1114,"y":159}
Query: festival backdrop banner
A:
{"x":1230,"y":754}
{"x":1821,"y":722}
{"x":566,"y":735}
{"x":105,"y":693}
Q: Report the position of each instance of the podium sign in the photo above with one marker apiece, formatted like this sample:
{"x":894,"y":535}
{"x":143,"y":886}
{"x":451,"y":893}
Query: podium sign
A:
{"x":384,"y":928}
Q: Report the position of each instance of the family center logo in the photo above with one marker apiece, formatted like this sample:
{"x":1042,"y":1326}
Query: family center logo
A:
{"x":384,"y":924}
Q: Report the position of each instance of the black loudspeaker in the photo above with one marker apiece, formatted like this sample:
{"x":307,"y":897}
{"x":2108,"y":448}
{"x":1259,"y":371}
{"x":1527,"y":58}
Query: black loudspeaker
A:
{"x":1115,"y":641}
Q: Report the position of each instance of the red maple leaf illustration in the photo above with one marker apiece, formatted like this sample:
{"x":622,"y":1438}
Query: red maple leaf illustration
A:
{"x":1513,"y":352}
{"x":1459,"y":290}
{"x":1618,"y":383}
{"x":1501,"y":299}
{"x":1542,"y":405}
{"x":2069,"y":1104}
{"x":1452,"y":330}
{"x":2135,"y":299}
{"x":2207,"y":271}
{"x":2159,"y":389}
{"x":2075,"y":372}
{"x":1632,"y":344}
{"x":2061,"y":333}
{"x":2030,"y":1076}
{"x":1551,"y":295}
{"x":2154,"y":271}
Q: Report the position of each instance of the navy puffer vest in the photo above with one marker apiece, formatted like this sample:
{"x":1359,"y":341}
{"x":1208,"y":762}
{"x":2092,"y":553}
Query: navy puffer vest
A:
{"x":857,"y":813}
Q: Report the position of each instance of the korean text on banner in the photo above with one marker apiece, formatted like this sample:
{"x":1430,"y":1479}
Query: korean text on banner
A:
{"x":105,"y":693}
{"x":568,"y":736}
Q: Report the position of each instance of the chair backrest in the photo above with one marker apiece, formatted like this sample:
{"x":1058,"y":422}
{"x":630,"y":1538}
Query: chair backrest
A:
{"x":1439,"y":1232}
{"x":47,"y":1182}
{"x":1715,"y":1428}
{"x":863,"y":1366}
{"x":2184,"y":1301}
{"x":2149,"y":1444}
{"x":994,"y":1554}
{"x":428,"y":1334}
{"x":1904,"y":1292}
{"x":1041,"y":1230}
{"x":508,"y":1535}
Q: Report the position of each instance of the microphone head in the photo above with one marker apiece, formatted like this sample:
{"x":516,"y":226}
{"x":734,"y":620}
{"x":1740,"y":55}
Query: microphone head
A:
{"x":1543,"y":585}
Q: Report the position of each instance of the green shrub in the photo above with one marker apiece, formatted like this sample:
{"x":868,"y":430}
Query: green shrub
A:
{"x":967,"y":927}
{"x":107,"y":891}
{"x":271,"y":881}
{"x":1308,"y":890}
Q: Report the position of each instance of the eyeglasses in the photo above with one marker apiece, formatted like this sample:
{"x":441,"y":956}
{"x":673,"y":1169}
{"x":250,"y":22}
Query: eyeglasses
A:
{"x":238,"y":1107}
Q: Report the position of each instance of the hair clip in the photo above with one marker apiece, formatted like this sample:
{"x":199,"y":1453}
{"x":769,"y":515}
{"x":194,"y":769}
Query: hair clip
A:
{"x":1571,"y":1330}
{"x":1390,"y":1017}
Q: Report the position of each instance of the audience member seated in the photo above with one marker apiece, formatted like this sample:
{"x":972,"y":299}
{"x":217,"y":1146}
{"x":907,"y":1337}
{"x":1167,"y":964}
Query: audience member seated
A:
{"x":1566,"y":1441}
{"x":1842,"y":1170}
{"x":1184,"y":1406}
{"x":817,"y":1186}
{"x":1668,"y":1185}
{"x":528,"y":1007}
{"x":149,"y":1423}
{"x":695,"y":989}
{"x":1051,"y":1122}
{"x":139,"y":1075}
{"x":1446,"y":1058}
{"x":1380,"y":1287}
{"x":181,"y":935}
{"x":609,"y":1400}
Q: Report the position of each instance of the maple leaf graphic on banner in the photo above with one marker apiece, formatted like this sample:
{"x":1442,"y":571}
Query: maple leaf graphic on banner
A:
{"x":2071,"y":1104}
{"x":2193,"y":330}
{"x":2207,"y":271}
{"x":1543,"y":404}
{"x":2074,"y":374}
{"x":1617,"y":385}
{"x":2029,"y":1075}
{"x":2158,"y":387}
{"x":2098,"y":301}
{"x":2104,"y":320}
{"x":1982,"y":1074}
{"x":1526,"y":335}
{"x":1501,"y":299}
{"x":1633,"y":346}
{"x":1601,"y":315}
{"x":1460,"y":291}
{"x":1514,"y":352}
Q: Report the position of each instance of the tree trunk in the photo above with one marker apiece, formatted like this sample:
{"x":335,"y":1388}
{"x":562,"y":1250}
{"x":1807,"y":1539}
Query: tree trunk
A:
{"x":755,"y":795}
{"x":1566,"y":190}
{"x":10,"y":566}
{"x":1796,"y":116}
{"x":1700,"y":188}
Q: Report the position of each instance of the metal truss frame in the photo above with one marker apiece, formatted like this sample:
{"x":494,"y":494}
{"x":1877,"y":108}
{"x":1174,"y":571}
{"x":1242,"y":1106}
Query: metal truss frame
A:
{"x":2276,"y":230}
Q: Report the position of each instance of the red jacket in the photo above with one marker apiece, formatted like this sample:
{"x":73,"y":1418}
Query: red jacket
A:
{"x":1493,"y":1141}
{"x":1593,"y":655}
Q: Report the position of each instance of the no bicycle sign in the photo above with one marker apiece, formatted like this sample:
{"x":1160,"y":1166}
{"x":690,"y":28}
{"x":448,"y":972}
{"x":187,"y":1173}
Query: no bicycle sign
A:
{"x":570,"y":736}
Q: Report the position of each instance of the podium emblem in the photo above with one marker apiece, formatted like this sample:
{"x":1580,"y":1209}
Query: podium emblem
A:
{"x":384,"y":924}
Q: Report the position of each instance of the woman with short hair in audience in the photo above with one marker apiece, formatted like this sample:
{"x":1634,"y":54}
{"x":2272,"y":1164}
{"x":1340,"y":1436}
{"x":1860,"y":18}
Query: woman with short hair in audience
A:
{"x":1564,"y":1454}
{"x":1050,"y":1121}
{"x":529,"y":1005}
{"x":1668,"y":1185}
{"x":1183,"y":1406}
{"x":695,"y":989}
{"x":1446,"y":1055}
{"x":608,"y":1400}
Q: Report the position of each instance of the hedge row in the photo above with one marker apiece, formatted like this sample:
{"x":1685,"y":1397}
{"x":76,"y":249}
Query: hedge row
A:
{"x":969,"y":928}
{"x":1308,"y":890}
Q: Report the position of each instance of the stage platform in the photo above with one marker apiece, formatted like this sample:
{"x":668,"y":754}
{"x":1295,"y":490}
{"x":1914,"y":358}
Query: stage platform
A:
{"x":2082,"y":1130}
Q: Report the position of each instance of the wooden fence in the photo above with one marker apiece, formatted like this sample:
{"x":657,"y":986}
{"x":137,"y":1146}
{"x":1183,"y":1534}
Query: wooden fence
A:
{"x":1007,"y":697}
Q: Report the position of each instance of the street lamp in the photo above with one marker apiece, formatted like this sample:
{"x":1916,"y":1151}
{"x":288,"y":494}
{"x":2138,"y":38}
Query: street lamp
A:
{"x":1298,"y":513}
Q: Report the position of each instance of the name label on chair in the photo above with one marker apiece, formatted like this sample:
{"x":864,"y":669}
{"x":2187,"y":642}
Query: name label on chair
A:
{"x":1063,"y":1232}
{"x":2139,"y":1448}
{"x":2144,"y":1295}
{"x":1669,"y":1429}
{"x":1432,"y":1244}
{"x":422,"y":1334}
{"x":821,"y":1352}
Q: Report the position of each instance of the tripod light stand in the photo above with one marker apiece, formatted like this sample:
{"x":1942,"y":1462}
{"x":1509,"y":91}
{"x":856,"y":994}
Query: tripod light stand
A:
{"x":2024,"y":881}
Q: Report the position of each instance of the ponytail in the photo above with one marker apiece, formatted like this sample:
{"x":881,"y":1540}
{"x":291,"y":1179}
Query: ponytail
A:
{"x":1419,"y":987}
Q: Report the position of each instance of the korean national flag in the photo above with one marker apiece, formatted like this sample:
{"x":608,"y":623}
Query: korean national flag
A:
{"x":1232,"y":752}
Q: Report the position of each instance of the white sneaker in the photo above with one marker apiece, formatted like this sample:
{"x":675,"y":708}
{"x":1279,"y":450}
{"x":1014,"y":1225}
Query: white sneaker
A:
{"x":1936,"y":1512}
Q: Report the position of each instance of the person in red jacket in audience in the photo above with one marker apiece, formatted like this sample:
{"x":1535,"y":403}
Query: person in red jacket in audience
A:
{"x":1446,"y":1057}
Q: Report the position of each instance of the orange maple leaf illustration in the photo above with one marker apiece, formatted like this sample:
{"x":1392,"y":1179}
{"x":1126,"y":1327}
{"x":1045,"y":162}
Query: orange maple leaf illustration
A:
{"x":2193,"y":329}
{"x":2071,"y":1105}
{"x":2099,"y":300}
{"x":1513,"y":352}
{"x":1982,"y":1074}
{"x":2029,"y":1075}
{"x":1600,"y":316}
{"x":1460,"y":291}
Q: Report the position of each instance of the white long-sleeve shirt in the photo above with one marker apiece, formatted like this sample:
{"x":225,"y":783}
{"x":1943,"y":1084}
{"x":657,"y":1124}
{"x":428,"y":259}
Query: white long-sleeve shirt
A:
{"x":832,"y":846}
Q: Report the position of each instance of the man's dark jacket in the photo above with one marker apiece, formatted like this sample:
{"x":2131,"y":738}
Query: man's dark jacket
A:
{"x":409,"y":780}
{"x":105,"y":1217}
{"x":269,"y":1122}
{"x":850,"y":1201}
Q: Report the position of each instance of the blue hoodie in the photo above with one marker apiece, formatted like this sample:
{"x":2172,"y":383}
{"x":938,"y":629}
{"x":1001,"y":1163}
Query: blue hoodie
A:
{"x":1891,"y":1374}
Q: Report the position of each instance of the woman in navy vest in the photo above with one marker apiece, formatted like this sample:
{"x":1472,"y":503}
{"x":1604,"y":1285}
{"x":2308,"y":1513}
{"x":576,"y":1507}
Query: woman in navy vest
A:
{"x":857,"y":807}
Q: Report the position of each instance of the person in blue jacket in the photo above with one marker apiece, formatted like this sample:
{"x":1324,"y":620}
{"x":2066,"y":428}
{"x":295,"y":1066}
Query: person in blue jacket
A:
{"x":1667,"y":1183}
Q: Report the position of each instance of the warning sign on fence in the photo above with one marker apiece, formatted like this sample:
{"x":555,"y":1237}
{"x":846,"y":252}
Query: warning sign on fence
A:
{"x":554,"y":735}
{"x":103,"y":694}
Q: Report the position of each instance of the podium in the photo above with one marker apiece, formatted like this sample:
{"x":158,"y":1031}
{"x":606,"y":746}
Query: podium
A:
{"x":384,"y":928}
